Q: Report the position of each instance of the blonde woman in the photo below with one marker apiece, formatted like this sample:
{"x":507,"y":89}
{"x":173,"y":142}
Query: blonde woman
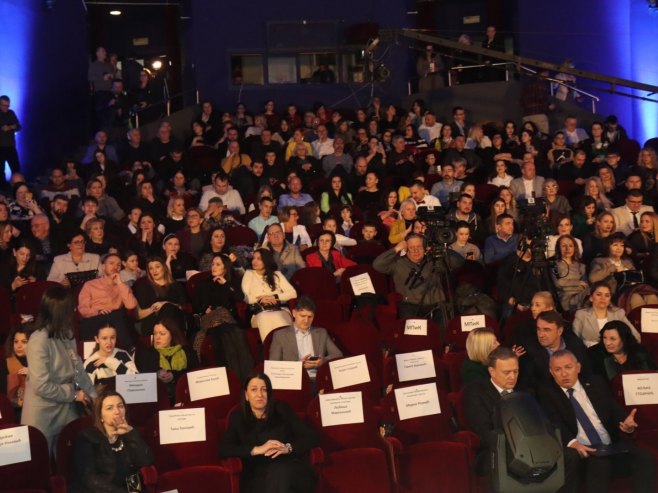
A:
{"x":594,"y":188}
{"x":479,"y":343}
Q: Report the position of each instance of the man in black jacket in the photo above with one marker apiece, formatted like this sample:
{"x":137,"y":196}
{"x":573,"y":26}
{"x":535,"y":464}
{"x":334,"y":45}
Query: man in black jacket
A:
{"x":589,"y":421}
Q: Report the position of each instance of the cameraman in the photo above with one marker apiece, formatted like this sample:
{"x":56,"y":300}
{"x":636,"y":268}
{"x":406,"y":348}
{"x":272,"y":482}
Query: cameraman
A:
{"x":516,"y":281}
{"x":411,"y":275}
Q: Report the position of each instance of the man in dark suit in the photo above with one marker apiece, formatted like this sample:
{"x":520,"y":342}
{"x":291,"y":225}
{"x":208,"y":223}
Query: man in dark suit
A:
{"x":590,"y":420}
{"x":302,"y":342}
{"x":481,"y":399}
{"x":551,"y":337}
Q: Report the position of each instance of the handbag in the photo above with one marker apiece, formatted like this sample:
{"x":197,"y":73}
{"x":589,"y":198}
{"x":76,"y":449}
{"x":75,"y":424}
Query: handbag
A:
{"x":217,"y":317}
{"x":629,"y":278}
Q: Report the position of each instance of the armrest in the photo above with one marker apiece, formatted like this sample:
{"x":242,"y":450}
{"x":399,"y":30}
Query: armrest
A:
{"x":58,"y":484}
{"x":316,"y":456}
{"x":232,"y":464}
{"x":150,"y":477}
{"x":468,"y":438}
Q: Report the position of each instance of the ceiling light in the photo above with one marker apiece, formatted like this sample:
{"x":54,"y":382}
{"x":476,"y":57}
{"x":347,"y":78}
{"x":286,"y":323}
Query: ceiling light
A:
{"x":157,"y":65}
{"x":115,"y":12}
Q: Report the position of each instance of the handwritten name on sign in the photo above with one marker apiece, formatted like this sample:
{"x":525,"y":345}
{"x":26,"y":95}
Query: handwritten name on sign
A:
{"x":470,"y":322}
{"x":14,"y":445}
{"x":204,"y":384}
{"x":640,"y":388}
{"x":415,"y":327}
{"x":285,"y":375}
{"x":649,"y":320}
{"x":341,"y":409}
{"x":137,"y":389}
{"x":416,"y":401}
{"x":182,"y":425}
{"x":349,"y":371}
{"x":415,"y":366}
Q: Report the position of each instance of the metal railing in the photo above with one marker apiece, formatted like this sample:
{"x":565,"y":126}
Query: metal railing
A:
{"x":460,"y":68}
{"x":167,"y":104}
{"x":593,"y":99}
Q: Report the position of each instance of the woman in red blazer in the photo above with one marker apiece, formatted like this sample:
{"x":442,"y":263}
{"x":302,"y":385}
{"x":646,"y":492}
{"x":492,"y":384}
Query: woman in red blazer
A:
{"x":328,"y":257}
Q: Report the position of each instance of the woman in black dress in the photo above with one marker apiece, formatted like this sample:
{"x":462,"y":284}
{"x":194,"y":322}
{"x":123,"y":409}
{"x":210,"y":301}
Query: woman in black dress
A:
{"x":271,"y":441}
{"x":108,"y":455}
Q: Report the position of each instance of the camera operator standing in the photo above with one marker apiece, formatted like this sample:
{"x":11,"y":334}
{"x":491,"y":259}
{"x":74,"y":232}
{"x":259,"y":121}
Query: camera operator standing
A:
{"x":412,"y":274}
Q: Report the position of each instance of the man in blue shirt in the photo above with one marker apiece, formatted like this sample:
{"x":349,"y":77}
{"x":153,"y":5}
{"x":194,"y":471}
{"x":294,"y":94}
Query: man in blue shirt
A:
{"x":503,"y":243}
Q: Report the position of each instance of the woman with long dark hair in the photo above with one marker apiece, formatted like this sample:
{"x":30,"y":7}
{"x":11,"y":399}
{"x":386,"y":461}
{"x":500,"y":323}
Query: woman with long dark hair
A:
{"x":271,"y":441}
{"x":56,"y":378}
{"x":335,"y":196}
{"x":109,"y":454}
{"x":267,"y":291}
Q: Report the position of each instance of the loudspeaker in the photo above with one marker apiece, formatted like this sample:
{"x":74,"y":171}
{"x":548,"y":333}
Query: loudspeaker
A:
{"x":528,"y":456}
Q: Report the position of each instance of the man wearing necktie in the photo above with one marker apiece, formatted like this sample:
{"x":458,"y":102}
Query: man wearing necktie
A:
{"x":589,"y":421}
{"x":627,"y":217}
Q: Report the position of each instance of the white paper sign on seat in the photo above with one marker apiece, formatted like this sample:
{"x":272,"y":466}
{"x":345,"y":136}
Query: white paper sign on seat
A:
{"x":208,"y":383}
{"x":139,"y":388}
{"x":640,"y":388}
{"x":362,"y":284}
{"x":285,"y":375}
{"x":182,"y":425}
{"x":416,"y":401}
{"x":415,"y":366}
{"x":649,"y":320}
{"x":349,"y":371}
{"x":14,"y":445}
{"x":415,"y":327}
{"x":470,"y":322}
{"x":341,"y":409}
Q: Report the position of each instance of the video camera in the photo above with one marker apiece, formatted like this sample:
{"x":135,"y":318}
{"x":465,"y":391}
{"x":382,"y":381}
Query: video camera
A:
{"x":438,"y":232}
{"x":535,"y":226}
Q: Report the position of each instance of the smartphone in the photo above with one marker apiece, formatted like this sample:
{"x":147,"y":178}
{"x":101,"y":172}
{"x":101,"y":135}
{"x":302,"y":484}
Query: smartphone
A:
{"x":313,"y":358}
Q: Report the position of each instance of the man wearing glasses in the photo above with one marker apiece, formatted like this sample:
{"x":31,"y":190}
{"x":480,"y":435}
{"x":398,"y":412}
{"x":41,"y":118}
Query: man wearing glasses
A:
{"x":627,"y":217}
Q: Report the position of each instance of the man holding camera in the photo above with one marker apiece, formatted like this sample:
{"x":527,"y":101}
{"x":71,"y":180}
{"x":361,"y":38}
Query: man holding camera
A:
{"x":411,"y":276}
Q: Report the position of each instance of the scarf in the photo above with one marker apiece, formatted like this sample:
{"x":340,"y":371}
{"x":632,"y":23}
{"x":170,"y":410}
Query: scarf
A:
{"x":172,"y":358}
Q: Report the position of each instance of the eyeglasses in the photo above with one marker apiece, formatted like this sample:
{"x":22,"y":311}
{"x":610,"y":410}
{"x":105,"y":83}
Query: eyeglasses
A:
{"x":78,"y":242}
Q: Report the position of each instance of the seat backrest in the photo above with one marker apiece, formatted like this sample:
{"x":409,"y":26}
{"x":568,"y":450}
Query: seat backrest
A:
{"x":140,"y":413}
{"x":29,"y":296}
{"x":217,"y":406}
{"x":457,"y":338}
{"x":29,"y":475}
{"x":647,"y":414}
{"x":379,"y":281}
{"x":241,"y":235}
{"x":457,"y":401}
{"x":316,"y":282}
{"x":364,"y":253}
{"x":454,"y":361}
{"x":390,"y":374}
{"x":65,"y":446}
{"x":5,"y":312}
{"x":394,"y":337}
{"x":371,"y":389}
{"x":420,"y":429}
{"x":339,"y":437}
{"x":7,"y":415}
{"x":177,"y":455}
{"x":193,"y":284}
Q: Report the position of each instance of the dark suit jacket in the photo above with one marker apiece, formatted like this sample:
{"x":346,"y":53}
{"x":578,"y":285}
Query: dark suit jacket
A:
{"x":534,"y":365}
{"x":561,"y":413}
{"x":284,"y":345}
{"x":480,"y":401}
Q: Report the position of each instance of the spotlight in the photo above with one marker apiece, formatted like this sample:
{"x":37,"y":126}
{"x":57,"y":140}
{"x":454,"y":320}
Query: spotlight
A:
{"x":156,"y":64}
{"x":115,"y":12}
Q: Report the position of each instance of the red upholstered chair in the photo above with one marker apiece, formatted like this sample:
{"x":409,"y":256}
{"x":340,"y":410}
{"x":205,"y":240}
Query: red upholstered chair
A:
{"x":486,"y":192}
{"x":457,"y":338}
{"x":647,"y":415}
{"x":5,"y":313}
{"x":372,"y":389}
{"x":29,"y":296}
{"x":34,"y":475}
{"x":357,"y":336}
{"x":390,"y":375}
{"x":241,"y":235}
{"x":316,"y":282}
{"x":629,"y":150}
{"x":428,"y":448}
{"x":650,"y":340}
{"x":454,"y":361}
{"x":174,"y":456}
{"x":64,"y":448}
{"x":194,"y":479}
{"x":364,"y":253}
{"x":354,"y":458}
{"x":297,"y":399}
{"x":379,"y":281}
{"x":457,"y":401}
{"x":219,"y":407}
{"x":193,"y":282}
{"x":511,"y":324}
{"x":394,"y":338}
{"x":7,"y":415}
{"x":140,"y":413}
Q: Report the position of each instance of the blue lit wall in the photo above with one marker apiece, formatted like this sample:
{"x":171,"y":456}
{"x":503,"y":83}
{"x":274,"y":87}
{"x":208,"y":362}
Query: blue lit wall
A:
{"x":15,"y":36}
{"x":611,"y":37}
{"x":43,"y":69}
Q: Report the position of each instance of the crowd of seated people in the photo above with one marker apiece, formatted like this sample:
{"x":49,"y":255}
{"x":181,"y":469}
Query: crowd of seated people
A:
{"x":286,"y":193}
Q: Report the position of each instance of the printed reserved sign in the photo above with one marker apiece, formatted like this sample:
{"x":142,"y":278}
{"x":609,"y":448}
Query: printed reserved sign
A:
{"x":417,"y":401}
{"x":139,"y":388}
{"x":640,"y":388}
{"x":341,"y":409}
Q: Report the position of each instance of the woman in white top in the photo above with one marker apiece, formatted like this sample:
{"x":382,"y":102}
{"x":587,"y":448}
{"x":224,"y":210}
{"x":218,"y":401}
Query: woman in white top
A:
{"x":588,"y":322}
{"x":296,"y":234}
{"x":501,"y":178}
{"x":267,"y":290}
